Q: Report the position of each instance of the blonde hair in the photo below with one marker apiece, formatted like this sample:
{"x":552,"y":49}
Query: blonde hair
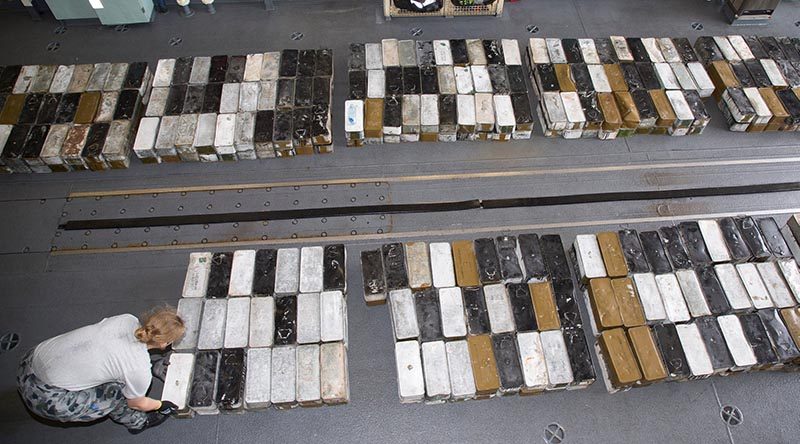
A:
{"x":162,"y":325}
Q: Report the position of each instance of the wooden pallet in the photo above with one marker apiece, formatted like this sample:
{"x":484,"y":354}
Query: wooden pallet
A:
{"x":390,"y":10}
{"x":449,"y":10}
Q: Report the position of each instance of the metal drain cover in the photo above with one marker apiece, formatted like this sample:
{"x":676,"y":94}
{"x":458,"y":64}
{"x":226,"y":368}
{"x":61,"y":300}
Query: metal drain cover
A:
{"x":554,"y":433}
{"x":175,"y":41}
{"x":296,"y":36}
{"x":9,"y":341}
{"x":416,"y":31}
{"x":53,"y":46}
{"x":731,"y":415}
{"x":532,"y":29}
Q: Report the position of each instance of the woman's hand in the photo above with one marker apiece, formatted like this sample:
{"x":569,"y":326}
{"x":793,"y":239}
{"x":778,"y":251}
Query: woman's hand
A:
{"x":144,"y":404}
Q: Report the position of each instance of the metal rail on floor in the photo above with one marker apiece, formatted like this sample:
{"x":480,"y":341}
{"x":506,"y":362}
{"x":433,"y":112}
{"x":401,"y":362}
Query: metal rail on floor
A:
{"x":436,"y":177}
{"x":426,"y":207}
{"x":461,"y":231}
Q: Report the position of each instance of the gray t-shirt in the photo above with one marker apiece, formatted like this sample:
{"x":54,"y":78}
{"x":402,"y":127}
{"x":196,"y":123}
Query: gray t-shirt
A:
{"x":96,"y":354}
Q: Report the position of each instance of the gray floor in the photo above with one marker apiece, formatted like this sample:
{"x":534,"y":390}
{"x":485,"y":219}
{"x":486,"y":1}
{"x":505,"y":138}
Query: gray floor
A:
{"x":47,"y":293}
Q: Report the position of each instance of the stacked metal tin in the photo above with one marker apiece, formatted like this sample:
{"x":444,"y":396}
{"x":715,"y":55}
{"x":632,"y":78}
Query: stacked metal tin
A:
{"x":441,"y":90}
{"x":692,"y":300}
{"x":265,"y":327}
{"x":69,"y":117}
{"x":617,"y":87}
{"x":227,"y":108}
{"x":473,"y":319}
{"x":757,"y":80}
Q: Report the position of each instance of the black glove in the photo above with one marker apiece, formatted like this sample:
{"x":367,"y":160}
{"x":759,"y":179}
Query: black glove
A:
{"x":167,"y":408}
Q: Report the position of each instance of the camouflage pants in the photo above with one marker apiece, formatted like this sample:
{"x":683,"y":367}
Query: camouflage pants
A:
{"x":61,"y":405}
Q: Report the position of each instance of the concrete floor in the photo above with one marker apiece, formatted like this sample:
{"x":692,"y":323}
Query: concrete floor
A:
{"x":48,"y":293}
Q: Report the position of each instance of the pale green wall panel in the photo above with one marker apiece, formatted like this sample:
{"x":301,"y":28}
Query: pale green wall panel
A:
{"x":114,"y":12}
{"x":71,"y":9}
{"x":119,"y":12}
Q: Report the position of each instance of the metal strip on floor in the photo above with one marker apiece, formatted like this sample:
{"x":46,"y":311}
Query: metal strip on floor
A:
{"x":426,"y":207}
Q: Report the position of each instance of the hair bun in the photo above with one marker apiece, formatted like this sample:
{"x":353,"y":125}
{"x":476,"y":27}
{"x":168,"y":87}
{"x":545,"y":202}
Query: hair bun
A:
{"x":160,"y":326}
{"x":142,"y":334}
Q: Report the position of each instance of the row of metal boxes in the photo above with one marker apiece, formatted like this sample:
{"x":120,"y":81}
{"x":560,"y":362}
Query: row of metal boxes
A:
{"x":472,"y":319}
{"x":617,"y":87}
{"x":756,"y":79}
{"x":692,"y":300}
{"x":441,"y":90}
{"x":266,"y":327}
{"x":238,"y":107}
{"x":69,"y":117}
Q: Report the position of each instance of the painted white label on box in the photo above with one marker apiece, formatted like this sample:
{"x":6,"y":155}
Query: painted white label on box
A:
{"x":237,"y":325}
{"x":308,"y":374}
{"x":459,"y":365}
{"x":481,"y":79}
{"x":262,"y":322}
{"x":442,"y":265}
{"x":410,"y":381}
{"x":534,"y":367}
{"x":590,"y":260}
{"x":538,"y":50}
{"x":287,"y":271}
{"x":740,"y":348}
{"x":437,"y":378}
{"x":695,"y":350}
{"x":511,"y":53}
{"x":555,"y":50}
{"x":334,"y":380}
{"x":391,"y":56}
{"x":452,"y":310}
{"x":178,"y":380}
{"x":599,"y":78}
{"x":195,"y":283}
{"x":311,"y":269}
{"x":442,"y":53}
{"x":271,"y":66}
{"x":559,"y":369}
{"x":740,"y":46}
{"x":257,"y":379}
{"x":333,"y":316}
{"x":693,"y":293}
{"x":653,"y":51}
{"x":714,"y":240}
{"x":284,"y":375}
{"x":242,"y":271}
{"x":589,"y":51}
{"x":755,"y":286}
{"x":190,"y":310}
{"x":308,"y":318}
{"x":163,"y":74}
{"x":404,"y":315}
{"x":374,"y":55}
{"x":792,"y":275}
{"x":650,"y":297}
{"x":775,"y":284}
{"x":498,"y":306}
{"x":212,"y":325}
{"x":733,"y":287}
{"x":252,"y":68}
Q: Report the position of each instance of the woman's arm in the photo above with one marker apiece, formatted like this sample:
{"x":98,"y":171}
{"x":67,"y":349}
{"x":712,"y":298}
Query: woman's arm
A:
{"x":144,"y":404}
